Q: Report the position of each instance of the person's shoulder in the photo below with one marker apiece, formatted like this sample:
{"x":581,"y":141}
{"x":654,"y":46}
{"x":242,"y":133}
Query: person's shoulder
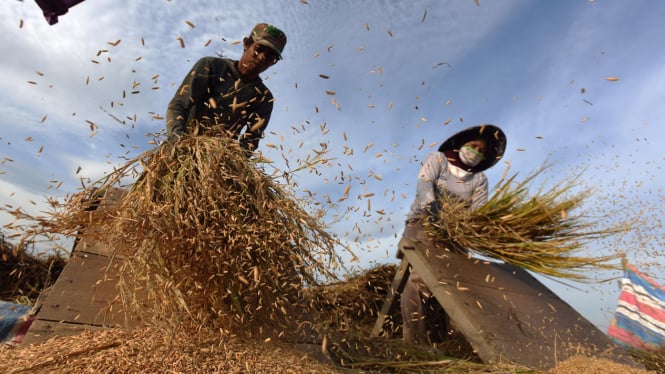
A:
{"x":436,"y":156}
{"x":207,"y":59}
{"x":435,"y":161}
{"x":214,"y":62}
{"x":262,"y":86}
{"x":214,"y":58}
{"x":263,"y":90}
{"x":480,"y":177}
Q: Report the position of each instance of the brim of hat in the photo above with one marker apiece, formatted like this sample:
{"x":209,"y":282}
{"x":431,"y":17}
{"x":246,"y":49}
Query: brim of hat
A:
{"x":270,"y":45}
{"x":492,"y":135}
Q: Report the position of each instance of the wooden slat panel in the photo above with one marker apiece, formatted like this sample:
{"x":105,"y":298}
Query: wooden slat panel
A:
{"x":390,"y":302}
{"x":40,"y":330}
{"x":85,"y":292}
{"x":85,"y":295}
{"x":503,"y":311}
{"x":104,"y":210}
{"x":89,"y":245}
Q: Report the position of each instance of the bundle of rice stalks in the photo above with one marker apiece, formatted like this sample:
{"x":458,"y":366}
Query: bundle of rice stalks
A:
{"x":652,"y":360}
{"x":347,"y":313}
{"x":378,"y":354}
{"x":352,"y":304}
{"x":23,"y":275}
{"x":536,"y":232}
{"x":209,"y":239}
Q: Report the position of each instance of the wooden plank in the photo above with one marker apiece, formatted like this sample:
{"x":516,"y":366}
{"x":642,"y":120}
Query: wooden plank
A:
{"x":89,"y":245}
{"x":503,"y":311}
{"x":85,"y":296}
{"x":42,"y":330}
{"x":102,"y":208}
{"x":464,"y":322}
{"x":390,"y":301}
{"x":85,"y":292}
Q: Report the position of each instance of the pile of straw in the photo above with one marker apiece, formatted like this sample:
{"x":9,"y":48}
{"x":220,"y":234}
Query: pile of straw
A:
{"x":347,"y":314}
{"x":23,"y":275}
{"x":352,"y":304}
{"x":536,"y":232}
{"x":349,"y":349}
{"x":153,"y":350}
{"x":653,"y":360}
{"x":208,"y":239}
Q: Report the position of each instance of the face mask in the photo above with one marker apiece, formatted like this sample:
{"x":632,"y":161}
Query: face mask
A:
{"x":470,"y":157}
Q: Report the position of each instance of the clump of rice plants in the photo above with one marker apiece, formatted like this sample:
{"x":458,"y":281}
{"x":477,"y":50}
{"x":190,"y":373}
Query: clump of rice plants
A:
{"x":24,"y":274}
{"x":207,"y":238}
{"x":536,"y":231}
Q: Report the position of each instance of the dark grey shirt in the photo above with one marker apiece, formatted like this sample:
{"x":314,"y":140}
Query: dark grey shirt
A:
{"x":214,"y":98}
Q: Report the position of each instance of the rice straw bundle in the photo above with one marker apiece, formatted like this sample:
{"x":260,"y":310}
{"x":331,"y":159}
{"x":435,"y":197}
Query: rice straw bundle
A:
{"x":354,"y":301}
{"x":210,"y":239}
{"x":24,"y":275}
{"x":536,"y":232}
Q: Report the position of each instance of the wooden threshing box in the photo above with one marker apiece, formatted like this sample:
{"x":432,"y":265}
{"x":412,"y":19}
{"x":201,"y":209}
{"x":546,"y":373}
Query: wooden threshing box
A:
{"x":505,"y":313}
{"x":85,"y":295}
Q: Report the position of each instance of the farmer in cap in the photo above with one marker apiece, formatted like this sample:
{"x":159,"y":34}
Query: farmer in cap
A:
{"x":455,"y":169}
{"x":220,"y":96}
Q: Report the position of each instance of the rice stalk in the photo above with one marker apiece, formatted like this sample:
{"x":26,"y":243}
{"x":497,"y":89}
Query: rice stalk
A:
{"x":534,"y":231}
{"x":208,"y":239}
{"x":651,"y":359}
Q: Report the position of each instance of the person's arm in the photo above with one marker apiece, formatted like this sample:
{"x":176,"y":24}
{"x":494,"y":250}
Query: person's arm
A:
{"x":479,"y":196}
{"x":433,"y":166}
{"x":194,"y":89}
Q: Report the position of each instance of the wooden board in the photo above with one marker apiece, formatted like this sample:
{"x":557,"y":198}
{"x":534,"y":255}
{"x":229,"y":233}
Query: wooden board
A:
{"x":85,"y":296}
{"x":102,"y":208}
{"x":503,"y":311}
{"x":392,"y":297}
{"x":85,"y":292}
{"x":41,"y":330}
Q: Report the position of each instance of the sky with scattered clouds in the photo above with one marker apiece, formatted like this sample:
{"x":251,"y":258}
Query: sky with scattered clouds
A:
{"x":378,"y":84}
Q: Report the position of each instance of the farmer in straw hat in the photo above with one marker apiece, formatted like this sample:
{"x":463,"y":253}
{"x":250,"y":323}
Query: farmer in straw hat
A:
{"x":221,"y":96}
{"x":455,"y":169}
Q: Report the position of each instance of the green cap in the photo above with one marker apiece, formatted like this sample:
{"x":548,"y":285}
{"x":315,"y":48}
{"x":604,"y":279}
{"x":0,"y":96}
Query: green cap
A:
{"x":270,"y":36}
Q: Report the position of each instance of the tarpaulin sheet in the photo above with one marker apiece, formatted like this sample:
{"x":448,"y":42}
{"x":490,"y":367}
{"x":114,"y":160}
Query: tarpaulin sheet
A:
{"x":15,"y":319}
{"x":639,"y":320}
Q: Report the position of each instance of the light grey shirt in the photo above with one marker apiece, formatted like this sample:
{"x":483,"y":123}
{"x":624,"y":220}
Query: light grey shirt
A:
{"x":436,"y":178}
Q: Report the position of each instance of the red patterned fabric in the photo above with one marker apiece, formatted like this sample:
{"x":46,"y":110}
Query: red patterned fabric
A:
{"x":639,"y":320}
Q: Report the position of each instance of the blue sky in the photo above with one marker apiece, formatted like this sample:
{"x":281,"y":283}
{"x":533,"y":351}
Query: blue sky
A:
{"x":379,"y":84}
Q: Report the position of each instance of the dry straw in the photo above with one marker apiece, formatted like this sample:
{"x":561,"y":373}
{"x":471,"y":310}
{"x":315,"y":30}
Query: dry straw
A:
{"x":23,"y":275}
{"x":535,"y":231}
{"x":208,"y":239}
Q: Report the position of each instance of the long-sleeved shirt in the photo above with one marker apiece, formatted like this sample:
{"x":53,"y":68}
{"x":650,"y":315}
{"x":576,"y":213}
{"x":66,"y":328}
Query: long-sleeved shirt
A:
{"x":214,"y":97}
{"x":436,"y":178}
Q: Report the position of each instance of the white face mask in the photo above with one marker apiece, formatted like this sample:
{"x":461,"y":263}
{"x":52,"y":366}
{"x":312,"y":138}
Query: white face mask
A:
{"x":470,"y":157}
